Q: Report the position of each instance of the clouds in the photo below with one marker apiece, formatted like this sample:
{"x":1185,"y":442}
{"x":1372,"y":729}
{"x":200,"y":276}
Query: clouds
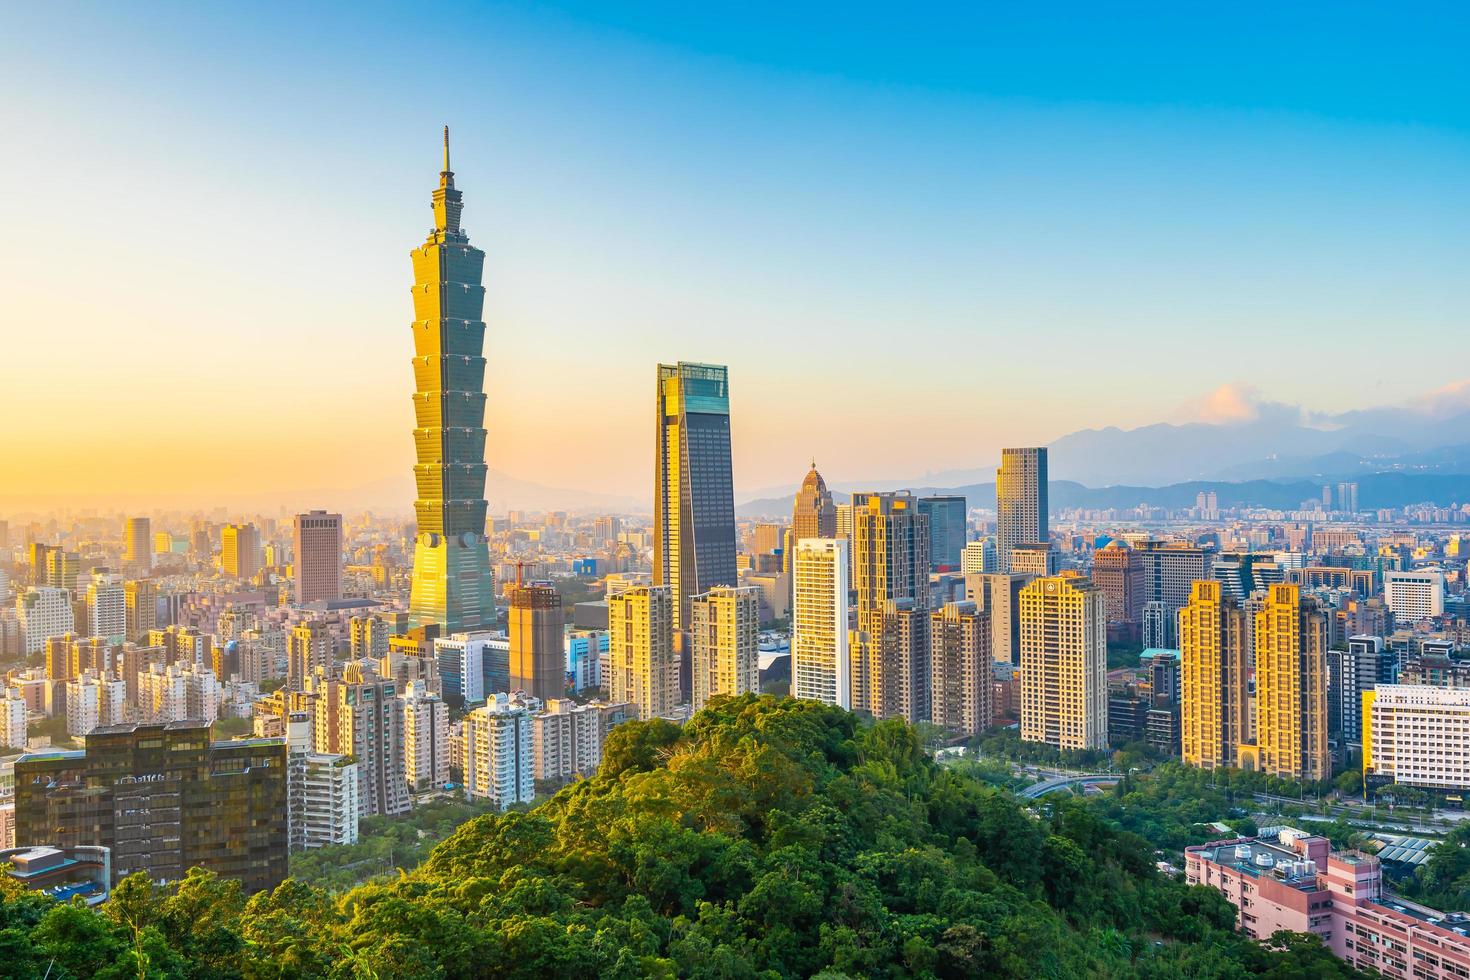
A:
{"x":1237,"y":403}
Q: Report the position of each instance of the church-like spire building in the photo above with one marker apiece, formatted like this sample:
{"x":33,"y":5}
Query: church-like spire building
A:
{"x":452,"y":582}
{"x":813,"y":515}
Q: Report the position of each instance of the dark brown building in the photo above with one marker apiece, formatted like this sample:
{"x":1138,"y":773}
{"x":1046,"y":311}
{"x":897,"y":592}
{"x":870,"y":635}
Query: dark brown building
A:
{"x":1119,"y":573}
{"x":165,"y":799}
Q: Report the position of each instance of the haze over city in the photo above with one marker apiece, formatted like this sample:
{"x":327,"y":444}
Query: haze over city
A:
{"x":875,"y":237}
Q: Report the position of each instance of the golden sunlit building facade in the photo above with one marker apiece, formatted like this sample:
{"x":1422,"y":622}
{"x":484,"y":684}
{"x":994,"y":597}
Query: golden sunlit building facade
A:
{"x":1213,"y":675}
{"x":1291,"y":686}
{"x":641,"y":666}
{"x":1064,"y":662}
{"x":452,"y":583}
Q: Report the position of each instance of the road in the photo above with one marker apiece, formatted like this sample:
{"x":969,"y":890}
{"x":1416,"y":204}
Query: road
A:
{"x":1065,"y":782}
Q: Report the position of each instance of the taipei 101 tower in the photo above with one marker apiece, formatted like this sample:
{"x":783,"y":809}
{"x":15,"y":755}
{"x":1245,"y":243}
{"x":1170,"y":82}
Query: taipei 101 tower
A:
{"x":452,"y":582}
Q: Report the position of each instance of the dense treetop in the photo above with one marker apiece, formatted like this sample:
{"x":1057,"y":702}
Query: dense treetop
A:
{"x":767,"y":838}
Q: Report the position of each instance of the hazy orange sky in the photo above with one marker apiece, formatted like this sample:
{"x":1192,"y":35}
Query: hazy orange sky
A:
{"x":907,"y":254}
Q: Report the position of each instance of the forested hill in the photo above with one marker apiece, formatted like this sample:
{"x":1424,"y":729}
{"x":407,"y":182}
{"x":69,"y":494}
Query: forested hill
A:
{"x":767,"y":838}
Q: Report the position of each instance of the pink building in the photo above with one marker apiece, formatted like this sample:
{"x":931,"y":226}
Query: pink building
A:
{"x":1295,"y":883}
{"x":318,"y":557}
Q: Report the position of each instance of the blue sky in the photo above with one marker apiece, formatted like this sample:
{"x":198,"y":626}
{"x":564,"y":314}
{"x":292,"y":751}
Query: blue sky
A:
{"x":915,"y":236}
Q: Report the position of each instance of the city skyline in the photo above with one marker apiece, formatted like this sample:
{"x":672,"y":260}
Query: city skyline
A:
{"x":631,"y":219}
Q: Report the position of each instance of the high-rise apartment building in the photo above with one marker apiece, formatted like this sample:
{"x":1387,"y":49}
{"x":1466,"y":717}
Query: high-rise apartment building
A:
{"x":641,"y":667}
{"x":891,"y":561}
{"x":947,"y":532}
{"x":425,"y":738}
{"x":165,"y":799}
{"x":14,"y":715}
{"x":321,"y":791}
{"x":318,"y":550}
{"x":240,"y":552}
{"x":1037,"y":559}
{"x":1347,"y":497}
{"x":309,"y":645}
{"x":498,"y":746}
{"x":961,"y":675}
{"x":472,"y":666}
{"x":362,"y":716}
{"x":1213,"y":678}
{"x":821,"y":665}
{"x":1291,"y":686}
{"x":63,"y":568}
{"x":813,"y":515}
{"x":94,"y":699}
{"x":137,"y":557}
{"x":569,"y":736}
{"x":107,"y":606}
{"x":1020,"y":502}
{"x":538,"y":659}
{"x":898,"y":666}
{"x":42,"y":612}
{"x":1120,"y":576}
{"x":452,"y":581}
{"x":724,"y":627}
{"x":693,"y":490}
{"x":140,"y":602}
{"x":1064,"y":662}
{"x":1414,"y":596}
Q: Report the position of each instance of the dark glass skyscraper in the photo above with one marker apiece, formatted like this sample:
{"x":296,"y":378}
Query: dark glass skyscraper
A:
{"x":452,"y":582}
{"x":946,"y":531}
{"x":693,"y":493}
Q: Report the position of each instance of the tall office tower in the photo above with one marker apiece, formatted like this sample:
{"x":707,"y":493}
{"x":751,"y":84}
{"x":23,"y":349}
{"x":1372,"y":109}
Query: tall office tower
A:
{"x":1347,"y":497}
{"x":107,"y":607}
{"x":1291,"y":686}
{"x":318,"y":551}
{"x":999,"y":595}
{"x":1158,"y":626}
{"x":240,"y":553}
{"x":978,"y":558}
{"x":1064,"y":663}
{"x":1020,"y":502}
{"x":641,"y":668}
{"x":43,"y":612}
{"x":140,"y":602}
{"x":309,"y":645}
{"x":1414,"y":596}
{"x":724,"y":626}
{"x":452,"y":582}
{"x":1363,"y":666}
{"x":814,"y":515}
{"x":362,"y":716}
{"x":961,"y":676}
{"x":947,"y":534}
{"x":1170,"y":569}
{"x":137,"y":558}
{"x":1120,"y":577}
{"x":499,"y":752}
{"x":891,"y":561}
{"x":220,"y":806}
{"x":693,"y":491}
{"x":538,"y":656}
{"x":1213,"y":678}
{"x":62,"y":569}
{"x":765,"y":538}
{"x":425,"y":738}
{"x":821,"y":665}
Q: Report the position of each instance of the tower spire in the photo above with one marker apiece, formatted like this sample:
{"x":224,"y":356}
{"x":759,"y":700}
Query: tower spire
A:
{"x":446,"y":170}
{"x":447,"y":200}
